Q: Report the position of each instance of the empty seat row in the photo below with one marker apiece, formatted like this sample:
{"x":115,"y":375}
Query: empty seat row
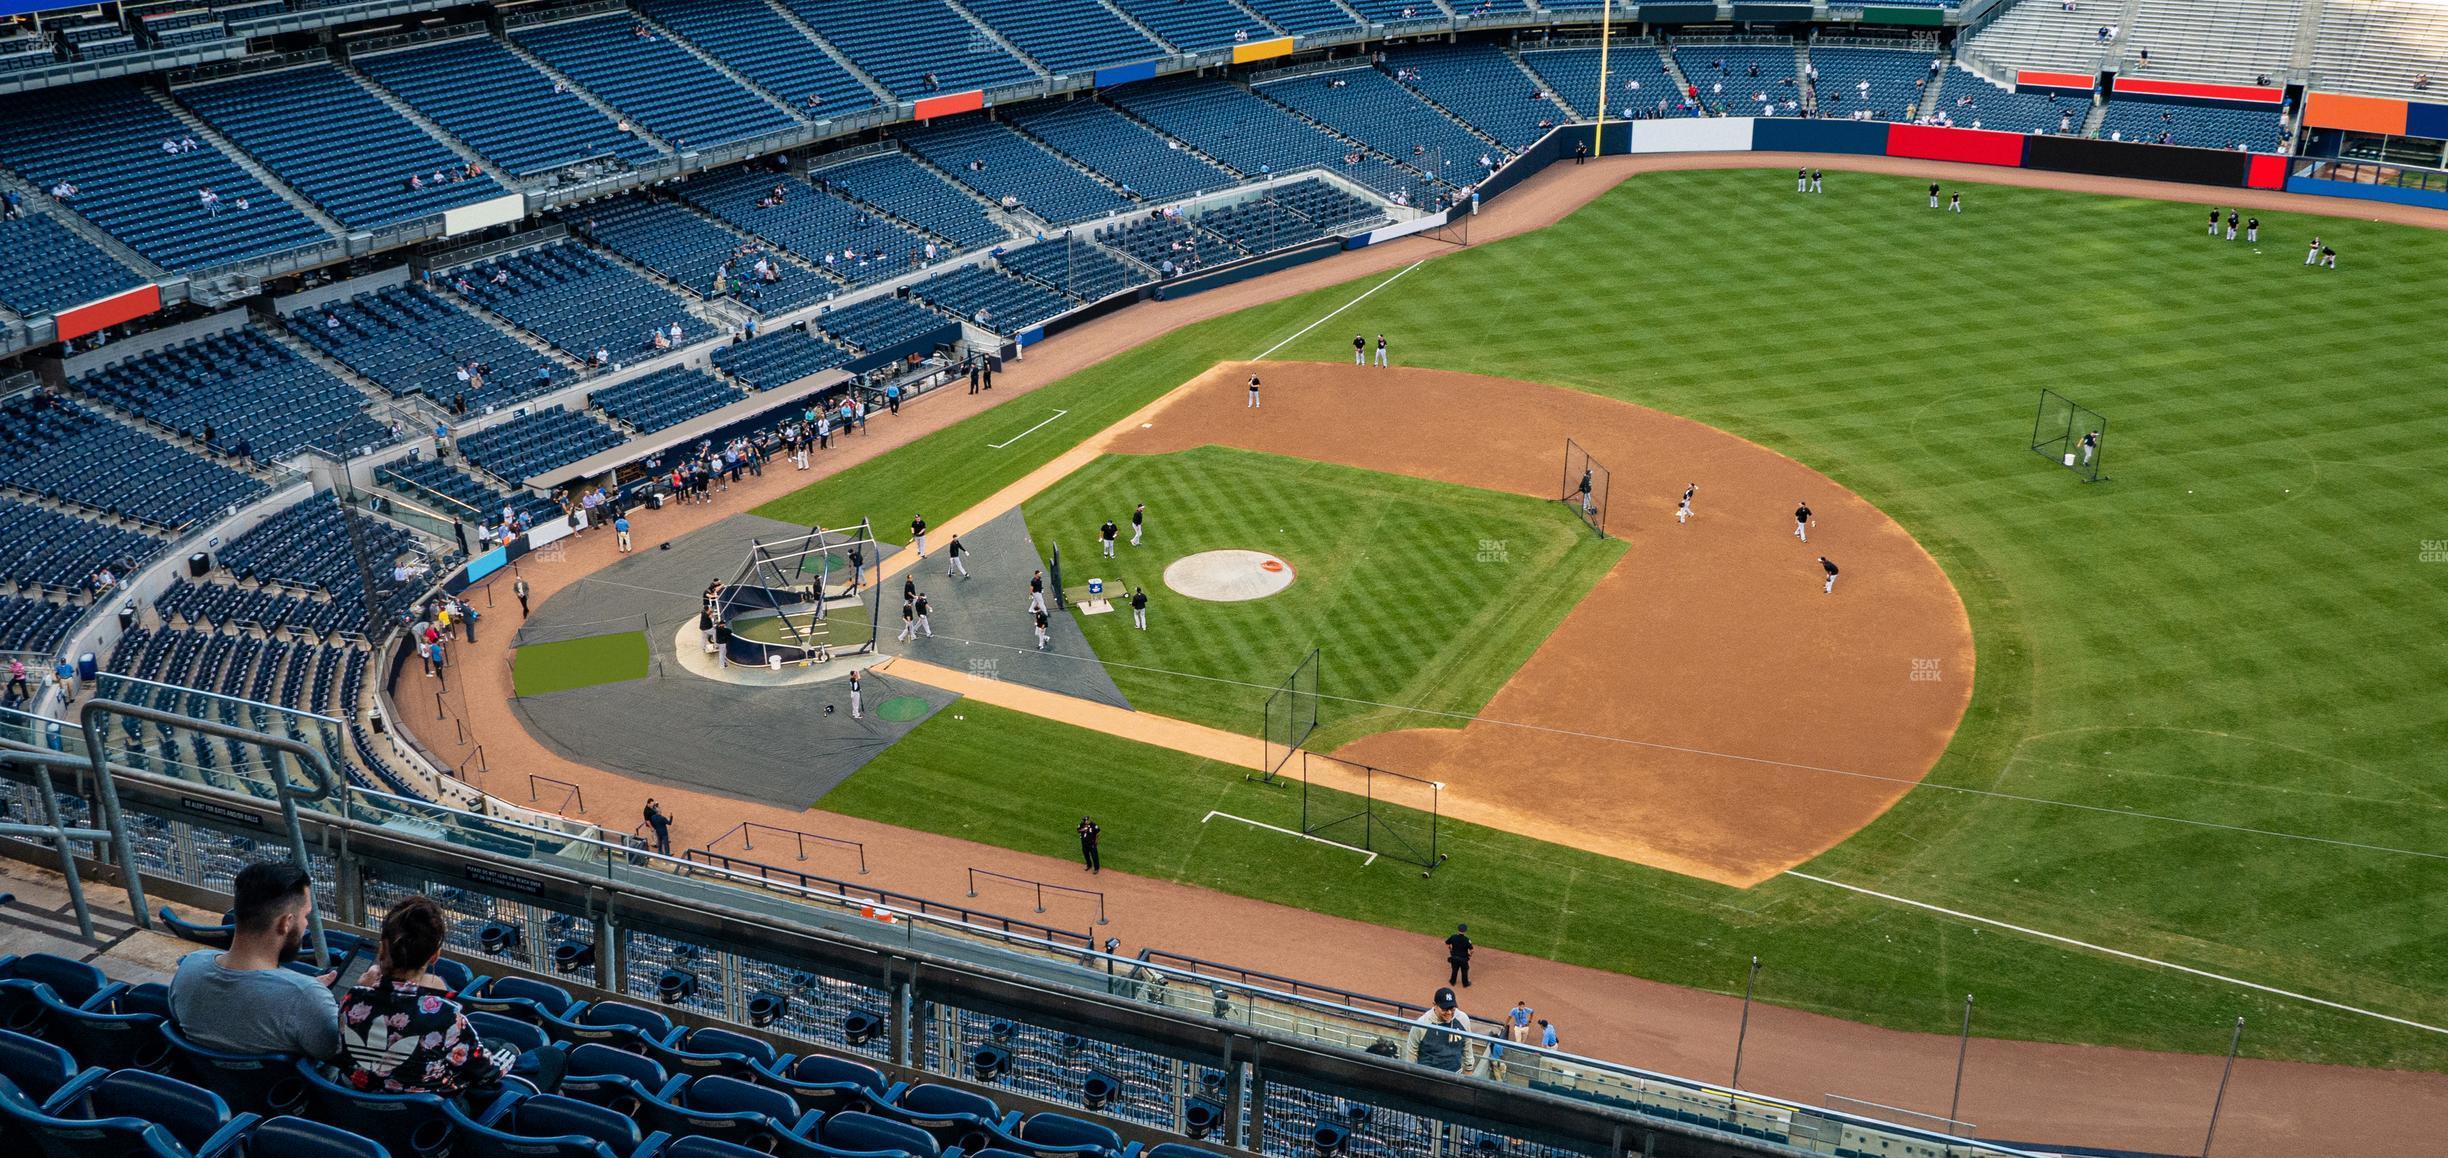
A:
{"x":1072,"y":264}
{"x":410,"y":340}
{"x":695,"y":252}
{"x":879,"y":323}
{"x":439,"y":484}
{"x":774,"y":360}
{"x":997,"y":163}
{"x":46,"y":549}
{"x":579,"y":301}
{"x":995,"y":300}
{"x":534,"y":443}
{"x":514,"y":114}
{"x":240,"y":392}
{"x":1141,"y":161}
{"x":59,"y":450}
{"x":665,"y":398}
{"x":847,"y":241}
{"x":896,"y":184}
{"x":50,"y":268}
{"x":657,"y":83}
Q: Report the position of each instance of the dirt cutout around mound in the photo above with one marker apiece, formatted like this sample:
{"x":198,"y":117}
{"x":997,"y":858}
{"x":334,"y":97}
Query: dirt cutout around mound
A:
{"x":1707,"y":708}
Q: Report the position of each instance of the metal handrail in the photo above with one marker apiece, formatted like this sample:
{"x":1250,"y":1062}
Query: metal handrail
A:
{"x":291,"y":794}
{"x":746,"y":831}
{"x":1040,"y":887}
{"x":60,"y":834}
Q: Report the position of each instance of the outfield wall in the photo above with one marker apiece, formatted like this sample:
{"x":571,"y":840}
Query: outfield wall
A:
{"x":2221,"y":168}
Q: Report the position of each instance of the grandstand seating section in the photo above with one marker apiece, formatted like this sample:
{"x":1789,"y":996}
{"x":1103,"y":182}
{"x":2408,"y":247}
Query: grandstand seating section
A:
{"x":896,"y":183}
{"x":689,"y":249}
{"x":1299,"y":16}
{"x":775,"y":360}
{"x":1068,"y":37}
{"x":659,"y":84}
{"x":1074,"y":265}
{"x":622,"y":1072}
{"x":580,"y":301}
{"x":849,"y":242}
{"x":1700,"y":63}
{"x":1327,"y":205}
{"x":2007,"y":110}
{"x":341,"y":146}
{"x":1260,"y":225}
{"x":1367,"y":106}
{"x":254,"y":394}
{"x":49,"y":267}
{"x":2201,"y":126}
{"x":2379,"y":47}
{"x":994,"y":300}
{"x":59,"y":450}
{"x":879,"y":323}
{"x":1251,"y":134}
{"x":142,"y":194}
{"x":486,"y":95}
{"x":410,"y":340}
{"x":901,"y":43}
{"x":1009,"y":163}
{"x":295,"y":548}
{"x":36,"y":625}
{"x":1196,"y":25}
{"x":423,"y":478}
{"x":755,"y":41}
{"x":1093,"y":134}
{"x":2037,"y":34}
{"x":1894,"y":76}
{"x":2213,"y":41}
{"x":1572,"y":73}
{"x":1155,"y":241}
{"x":665,"y":398}
{"x":534,"y":443}
{"x":43,"y":549}
{"x":1480,"y":84}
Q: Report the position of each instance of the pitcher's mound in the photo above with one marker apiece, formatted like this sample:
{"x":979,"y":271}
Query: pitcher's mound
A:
{"x":1228,"y":576}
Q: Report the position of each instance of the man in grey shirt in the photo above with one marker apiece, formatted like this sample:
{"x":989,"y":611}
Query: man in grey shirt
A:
{"x":242,"y":1000}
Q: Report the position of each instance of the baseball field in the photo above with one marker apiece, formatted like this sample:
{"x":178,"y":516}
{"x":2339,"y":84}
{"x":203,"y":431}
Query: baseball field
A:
{"x":2195,"y":778}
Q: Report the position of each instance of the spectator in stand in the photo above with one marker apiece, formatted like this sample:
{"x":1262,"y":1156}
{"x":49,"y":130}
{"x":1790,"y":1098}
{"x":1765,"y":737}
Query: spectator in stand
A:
{"x":242,"y":999}
{"x":1437,"y":1039}
{"x":401,"y":1029}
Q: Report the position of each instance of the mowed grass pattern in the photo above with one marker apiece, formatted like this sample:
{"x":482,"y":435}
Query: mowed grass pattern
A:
{"x":2207,"y":724}
{"x":1417,"y":593}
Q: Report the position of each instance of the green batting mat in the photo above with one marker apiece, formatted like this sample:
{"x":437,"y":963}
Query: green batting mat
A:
{"x":544,"y":668}
{"x":831,"y":563}
{"x":901,"y":709}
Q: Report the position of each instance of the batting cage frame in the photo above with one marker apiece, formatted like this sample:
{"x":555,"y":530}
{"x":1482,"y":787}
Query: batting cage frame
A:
{"x":2060,"y":431}
{"x":1291,"y":716}
{"x":1586,"y":481}
{"x":1389,"y":812}
{"x":773,"y":578}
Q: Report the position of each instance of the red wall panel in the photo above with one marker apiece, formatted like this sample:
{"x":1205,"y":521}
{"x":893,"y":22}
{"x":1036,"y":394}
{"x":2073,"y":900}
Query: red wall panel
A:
{"x":944,"y":106}
{"x":2257,"y":94}
{"x":1976,"y":146}
{"x":2041,"y":78}
{"x":2267,"y":172}
{"x":110,"y":311}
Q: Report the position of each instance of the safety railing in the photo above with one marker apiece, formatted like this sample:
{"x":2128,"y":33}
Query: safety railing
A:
{"x":569,"y":792}
{"x":747,"y":831}
{"x":1038,"y":890}
{"x":871,"y":901}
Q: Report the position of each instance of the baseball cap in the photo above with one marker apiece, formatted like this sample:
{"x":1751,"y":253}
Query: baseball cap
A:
{"x":1444,"y":999}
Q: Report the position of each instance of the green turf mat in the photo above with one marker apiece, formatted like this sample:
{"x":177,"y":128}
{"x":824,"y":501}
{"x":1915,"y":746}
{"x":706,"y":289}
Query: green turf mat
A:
{"x":544,"y":668}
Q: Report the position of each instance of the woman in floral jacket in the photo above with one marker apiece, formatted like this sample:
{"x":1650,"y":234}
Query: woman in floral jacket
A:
{"x":401,"y":1028}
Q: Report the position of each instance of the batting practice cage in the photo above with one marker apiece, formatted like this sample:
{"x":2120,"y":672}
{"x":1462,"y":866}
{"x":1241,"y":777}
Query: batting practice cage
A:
{"x":1585,"y":486}
{"x":1384,"y":812}
{"x":2071,"y":435}
{"x":1291,"y":715}
{"x":803,"y":600}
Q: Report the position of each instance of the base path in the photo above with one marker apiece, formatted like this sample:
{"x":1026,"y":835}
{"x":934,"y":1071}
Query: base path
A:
{"x":1706,"y":708}
{"x":2070,"y":1094}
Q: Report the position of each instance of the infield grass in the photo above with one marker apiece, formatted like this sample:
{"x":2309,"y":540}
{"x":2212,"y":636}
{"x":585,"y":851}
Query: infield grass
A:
{"x":544,"y":668}
{"x":2208,"y":721}
{"x":1418,"y":593}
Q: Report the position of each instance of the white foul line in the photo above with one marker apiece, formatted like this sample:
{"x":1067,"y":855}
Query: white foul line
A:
{"x":2136,"y":957}
{"x":1023,"y":434}
{"x":1339,"y":309}
{"x":1372,"y":857}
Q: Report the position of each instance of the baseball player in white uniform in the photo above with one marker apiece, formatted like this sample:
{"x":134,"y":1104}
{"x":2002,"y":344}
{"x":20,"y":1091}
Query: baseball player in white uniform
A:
{"x":1683,"y":511}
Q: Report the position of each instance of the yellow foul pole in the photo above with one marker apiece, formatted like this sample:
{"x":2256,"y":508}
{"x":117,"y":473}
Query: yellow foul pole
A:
{"x":1606,"y":35}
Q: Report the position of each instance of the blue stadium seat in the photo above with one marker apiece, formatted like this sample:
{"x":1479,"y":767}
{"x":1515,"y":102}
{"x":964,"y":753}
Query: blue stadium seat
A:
{"x":1254,"y":136}
{"x":2004,"y":109}
{"x":265,"y":1084}
{"x":60,"y":450}
{"x":953,"y":1117}
{"x":484,"y":94}
{"x":713,"y":1050}
{"x":338,"y":144}
{"x":1299,"y":16}
{"x":1197,"y":25}
{"x":51,"y":268}
{"x":604,"y":1075}
{"x":896,"y":184}
{"x":1142,"y":162}
{"x":1050,"y":1135}
{"x":578,"y":301}
{"x":1169,"y":245}
{"x":1482,"y":85}
{"x":913,"y":47}
{"x":117,"y":1029}
{"x":294,"y":1137}
{"x":714,"y":1106}
{"x":411,"y":340}
{"x":1636,"y":74}
{"x":1075,"y":265}
{"x":846,"y":241}
{"x":995,"y":162}
{"x":756,"y":42}
{"x":2201,"y":126}
{"x":104,"y":138}
{"x":832,"y":1084}
{"x":1067,"y":36}
{"x":546,"y":1126}
{"x":774,"y":360}
{"x":538,"y":442}
{"x":38,"y":1068}
{"x":1366,"y":105}
{"x":659,"y":84}
{"x":880,"y":323}
{"x":407,"y":1125}
{"x":1892,"y":73}
{"x":251,"y":393}
{"x":665,"y":398}
{"x":692,"y":250}
{"x":994,"y":300}
{"x":131,"y":1112}
{"x":855,"y":1131}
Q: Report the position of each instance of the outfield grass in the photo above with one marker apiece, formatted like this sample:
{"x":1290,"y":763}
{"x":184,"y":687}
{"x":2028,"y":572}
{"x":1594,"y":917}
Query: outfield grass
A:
{"x":543,"y":668}
{"x":1396,"y":585}
{"x":2213,"y":656}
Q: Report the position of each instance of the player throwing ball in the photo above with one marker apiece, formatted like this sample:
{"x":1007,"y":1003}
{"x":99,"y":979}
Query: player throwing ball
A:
{"x":1683,"y":511}
{"x":1802,"y":522}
